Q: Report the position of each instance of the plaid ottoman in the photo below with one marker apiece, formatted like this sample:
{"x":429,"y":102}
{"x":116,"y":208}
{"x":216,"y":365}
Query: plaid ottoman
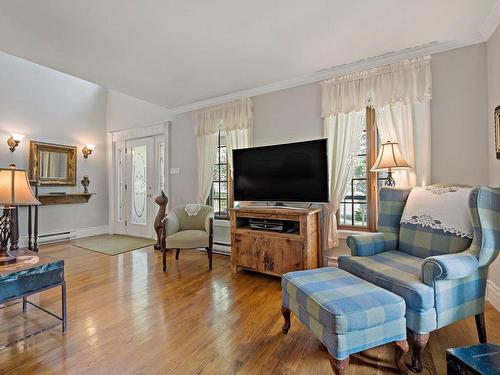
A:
{"x":346,"y":313}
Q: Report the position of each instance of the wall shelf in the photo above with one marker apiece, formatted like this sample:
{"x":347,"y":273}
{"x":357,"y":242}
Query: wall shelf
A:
{"x":50,"y":199}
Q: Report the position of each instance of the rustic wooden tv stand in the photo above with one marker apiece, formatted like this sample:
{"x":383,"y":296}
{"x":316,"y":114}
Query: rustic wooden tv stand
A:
{"x":271,"y":252}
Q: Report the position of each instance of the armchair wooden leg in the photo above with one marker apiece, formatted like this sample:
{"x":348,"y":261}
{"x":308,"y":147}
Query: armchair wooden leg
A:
{"x":481,"y":328}
{"x":339,"y":366}
{"x":209,"y":254}
{"x":401,"y":349}
{"x":286,"y":315}
{"x":164,"y":256}
{"x":177,"y":254}
{"x":418,"y":343}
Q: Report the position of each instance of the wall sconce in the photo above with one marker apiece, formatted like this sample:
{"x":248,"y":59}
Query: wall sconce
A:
{"x":87,"y":150}
{"x":14,"y":141}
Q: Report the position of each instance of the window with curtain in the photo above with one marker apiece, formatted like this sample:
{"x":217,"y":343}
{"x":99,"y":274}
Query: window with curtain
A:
{"x":358,"y":209}
{"x":219,"y":197}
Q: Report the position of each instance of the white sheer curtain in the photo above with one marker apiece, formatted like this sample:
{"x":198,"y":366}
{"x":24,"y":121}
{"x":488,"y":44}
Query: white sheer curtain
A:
{"x":409,"y":125}
{"x":235,"y":119}
{"x":238,"y":127}
{"x":401,"y":92}
{"x":407,"y":81}
{"x":343,"y":133}
{"x":237,"y":138}
{"x":207,"y":151}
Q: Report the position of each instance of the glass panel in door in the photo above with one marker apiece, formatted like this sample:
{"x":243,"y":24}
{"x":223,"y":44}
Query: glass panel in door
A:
{"x":139,"y":212}
{"x":161,"y":167}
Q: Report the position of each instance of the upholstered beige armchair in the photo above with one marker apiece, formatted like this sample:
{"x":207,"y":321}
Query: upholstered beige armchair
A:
{"x":188,"y":231}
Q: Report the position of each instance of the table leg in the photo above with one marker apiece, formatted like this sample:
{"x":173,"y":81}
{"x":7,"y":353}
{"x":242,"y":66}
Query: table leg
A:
{"x":35,"y":232}
{"x":63,"y":308}
{"x":30,"y":229}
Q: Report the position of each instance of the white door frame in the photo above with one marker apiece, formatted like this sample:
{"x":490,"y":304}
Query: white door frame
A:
{"x":160,"y":132}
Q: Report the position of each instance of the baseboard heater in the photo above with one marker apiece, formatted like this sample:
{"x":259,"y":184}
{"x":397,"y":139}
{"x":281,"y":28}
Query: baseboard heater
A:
{"x":56,"y":237}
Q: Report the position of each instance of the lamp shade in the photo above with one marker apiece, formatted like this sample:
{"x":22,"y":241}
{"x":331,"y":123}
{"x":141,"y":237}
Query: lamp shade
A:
{"x":15,"y":189}
{"x":390,"y":158}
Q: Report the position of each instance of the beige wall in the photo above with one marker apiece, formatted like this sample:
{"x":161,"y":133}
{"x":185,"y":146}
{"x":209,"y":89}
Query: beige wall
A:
{"x":288,"y":116}
{"x":50,"y":106}
{"x":493,"y":54}
{"x":184,"y":185}
{"x":493,"y":57}
{"x":459,"y":116}
{"x":126,"y":112}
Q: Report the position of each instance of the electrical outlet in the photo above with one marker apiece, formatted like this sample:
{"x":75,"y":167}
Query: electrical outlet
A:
{"x":175,"y":170}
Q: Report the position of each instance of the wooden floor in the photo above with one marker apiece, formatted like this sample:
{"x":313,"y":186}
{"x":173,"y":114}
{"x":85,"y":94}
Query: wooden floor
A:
{"x":128,"y":317}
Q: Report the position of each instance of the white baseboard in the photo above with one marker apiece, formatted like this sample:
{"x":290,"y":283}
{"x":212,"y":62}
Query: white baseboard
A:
{"x":92,"y":231}
{"x":493,"y":294}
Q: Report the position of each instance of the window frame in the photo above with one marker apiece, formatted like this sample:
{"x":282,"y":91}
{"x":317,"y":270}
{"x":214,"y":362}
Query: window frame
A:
{"x":219,"y":181}
{"x":371,"y":177}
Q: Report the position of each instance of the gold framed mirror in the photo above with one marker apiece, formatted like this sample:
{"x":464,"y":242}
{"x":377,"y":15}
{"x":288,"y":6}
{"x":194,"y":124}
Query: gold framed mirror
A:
{"x":52,"y":164}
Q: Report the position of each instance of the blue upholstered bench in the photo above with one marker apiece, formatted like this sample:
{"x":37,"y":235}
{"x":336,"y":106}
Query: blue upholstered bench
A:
{"x":346,"y":313}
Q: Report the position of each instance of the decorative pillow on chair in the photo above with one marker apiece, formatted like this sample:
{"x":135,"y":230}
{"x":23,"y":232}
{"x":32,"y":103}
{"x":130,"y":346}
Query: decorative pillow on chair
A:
{"x":436,"y":221}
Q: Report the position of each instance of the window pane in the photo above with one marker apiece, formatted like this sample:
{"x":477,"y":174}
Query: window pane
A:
{"x":215,"y":205}
{"x":223,"y":208}
{"x":223,"y":173}
{"x":359,"y":167}
{"x":219,"y":193}
{"x":360,"y":190}
{"x":360,"y":214}
{"x":353,"y":208}
{"x":362,"y":143}
{"x":345,"y":213}
{"x":216,"y":174}
{"x":222,"y":155}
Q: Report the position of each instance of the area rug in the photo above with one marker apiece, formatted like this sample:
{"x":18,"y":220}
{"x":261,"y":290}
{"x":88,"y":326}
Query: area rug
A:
{"x":113,"y":244}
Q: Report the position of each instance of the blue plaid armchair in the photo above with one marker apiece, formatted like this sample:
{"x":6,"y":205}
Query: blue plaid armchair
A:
{"x":441,"y":276}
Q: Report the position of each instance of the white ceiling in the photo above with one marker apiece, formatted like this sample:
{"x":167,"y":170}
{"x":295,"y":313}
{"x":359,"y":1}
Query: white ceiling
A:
{"x":174,"y":53}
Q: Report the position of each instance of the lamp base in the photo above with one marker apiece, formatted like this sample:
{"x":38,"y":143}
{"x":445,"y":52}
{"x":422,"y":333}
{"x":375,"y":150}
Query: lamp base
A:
{"x":390,"y":180}
{"x":6,"y":225}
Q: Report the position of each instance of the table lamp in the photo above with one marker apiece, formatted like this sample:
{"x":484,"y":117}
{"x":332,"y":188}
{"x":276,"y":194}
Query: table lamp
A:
{"x":15,"y":190}
{"x":389,"y":159}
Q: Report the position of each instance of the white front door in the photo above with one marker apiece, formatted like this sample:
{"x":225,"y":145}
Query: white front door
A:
{"x":139,"y":174}
{"x":140,"y":181}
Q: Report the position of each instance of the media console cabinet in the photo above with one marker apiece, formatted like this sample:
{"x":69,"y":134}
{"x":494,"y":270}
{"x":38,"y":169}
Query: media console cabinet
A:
{"x":272,"y":252}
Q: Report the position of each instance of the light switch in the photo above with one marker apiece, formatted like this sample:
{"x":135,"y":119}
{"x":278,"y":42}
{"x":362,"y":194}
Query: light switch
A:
{"x":175,"y":170}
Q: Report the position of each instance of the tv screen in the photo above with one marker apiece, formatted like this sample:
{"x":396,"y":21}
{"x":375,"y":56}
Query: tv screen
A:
{"x":294,"y":172}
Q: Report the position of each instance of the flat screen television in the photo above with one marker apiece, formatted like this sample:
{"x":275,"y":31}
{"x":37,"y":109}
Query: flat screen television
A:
{"x":293,"y":172}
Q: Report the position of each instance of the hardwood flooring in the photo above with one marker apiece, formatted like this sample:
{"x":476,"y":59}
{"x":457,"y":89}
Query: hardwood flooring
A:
{"x":128,"y":317}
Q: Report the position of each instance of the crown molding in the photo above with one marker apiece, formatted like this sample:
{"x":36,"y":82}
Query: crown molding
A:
{"x":389,"y":58}
{"x":491,"y":21}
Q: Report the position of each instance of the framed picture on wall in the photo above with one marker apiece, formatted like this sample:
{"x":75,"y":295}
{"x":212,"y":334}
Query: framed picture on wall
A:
{"x":497,"y":131}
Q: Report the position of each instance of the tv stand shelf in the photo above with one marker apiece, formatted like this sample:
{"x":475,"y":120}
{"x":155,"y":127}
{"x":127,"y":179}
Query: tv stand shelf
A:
{"x":274,"y":252}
